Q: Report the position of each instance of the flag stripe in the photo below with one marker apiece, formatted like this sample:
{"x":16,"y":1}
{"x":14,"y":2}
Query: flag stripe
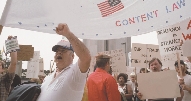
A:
{"x":106,"y":9}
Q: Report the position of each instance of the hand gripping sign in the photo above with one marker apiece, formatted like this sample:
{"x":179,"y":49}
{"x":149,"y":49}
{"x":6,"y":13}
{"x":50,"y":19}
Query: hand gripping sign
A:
{"x":11,"y":45}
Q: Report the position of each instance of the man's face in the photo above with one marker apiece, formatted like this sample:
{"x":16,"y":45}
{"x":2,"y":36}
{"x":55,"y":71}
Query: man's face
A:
{"x":155,"y":66}
{"x":183,"y":68}
{"x":132,"y":78}
{"x":63,"y":56}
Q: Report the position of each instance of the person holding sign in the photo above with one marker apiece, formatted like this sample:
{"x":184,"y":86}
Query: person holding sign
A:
{"x":185,"y":81}
{"x":101,"y":85}
{"x":7,"y":75}
{"x":68,"y":81}
{"x":155,"y":65}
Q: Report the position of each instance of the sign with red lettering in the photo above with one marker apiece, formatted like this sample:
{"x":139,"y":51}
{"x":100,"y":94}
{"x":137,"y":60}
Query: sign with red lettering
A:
{"x":95,"y":19}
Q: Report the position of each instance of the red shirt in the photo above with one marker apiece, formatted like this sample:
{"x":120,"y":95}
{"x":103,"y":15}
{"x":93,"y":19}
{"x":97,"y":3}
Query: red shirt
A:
{"x":102,"y":87}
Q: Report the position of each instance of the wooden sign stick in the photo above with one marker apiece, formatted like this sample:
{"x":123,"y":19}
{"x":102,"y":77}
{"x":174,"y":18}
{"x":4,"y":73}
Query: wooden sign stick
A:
{"x":179,"y":66}
{"x":1,"y":29}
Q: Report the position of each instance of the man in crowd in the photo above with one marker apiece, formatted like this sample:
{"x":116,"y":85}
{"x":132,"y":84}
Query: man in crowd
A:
{"x":101,"y":85}
{"x":67,"y":83}
{"x":7,"y":76}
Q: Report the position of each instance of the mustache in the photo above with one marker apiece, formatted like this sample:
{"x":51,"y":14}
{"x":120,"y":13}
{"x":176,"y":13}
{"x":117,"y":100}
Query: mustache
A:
{"x":59,"y":57}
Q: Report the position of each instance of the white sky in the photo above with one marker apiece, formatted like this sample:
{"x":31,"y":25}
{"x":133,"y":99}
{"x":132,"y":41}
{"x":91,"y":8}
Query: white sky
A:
{"x":43,"y":42}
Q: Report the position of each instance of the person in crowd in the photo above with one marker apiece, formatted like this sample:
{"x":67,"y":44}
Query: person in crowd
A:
{"x":124,"y":89}
{"x":142,"y":70}
{"x":68,"y":81}
{"x":101,"y":85}
{"x":7,"y":75}
{"x":155,"y":65}
{"x":185,"y":82}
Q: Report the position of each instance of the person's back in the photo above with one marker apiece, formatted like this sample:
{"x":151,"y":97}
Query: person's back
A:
{"x":101,"y":85}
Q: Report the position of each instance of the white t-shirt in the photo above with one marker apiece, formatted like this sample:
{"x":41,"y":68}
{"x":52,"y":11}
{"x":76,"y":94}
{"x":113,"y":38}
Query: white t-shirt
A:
{"x":67,"y":86}
{"x":187,"y":80}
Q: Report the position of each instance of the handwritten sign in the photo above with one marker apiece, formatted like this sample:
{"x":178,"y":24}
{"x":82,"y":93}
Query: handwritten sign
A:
{"x":96,"y":19}
{"x":11,"y":45}
{"x":141,"y":54}
{"x":26,"y":52}
{"x":156,"y":85}
{"x":118,"y":61}
{"x":32,"y":69}
{"x":169,"y":42}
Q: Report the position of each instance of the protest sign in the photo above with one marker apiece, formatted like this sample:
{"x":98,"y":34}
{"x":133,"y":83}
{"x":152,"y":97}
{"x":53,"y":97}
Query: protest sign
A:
{"x":118,"y":61}
{"x":156,"y":85}
{"x":169,"y":39}
{"x":41,"y":67}
{"x":95,"y":19}
{"x":11,"y":45}
{"x":26,"y":53}
{"x":32,"y":69}
{"x":141,"y":54}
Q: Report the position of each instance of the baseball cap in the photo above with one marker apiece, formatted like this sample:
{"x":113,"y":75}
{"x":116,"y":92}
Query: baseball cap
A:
{"x":64,"y":44}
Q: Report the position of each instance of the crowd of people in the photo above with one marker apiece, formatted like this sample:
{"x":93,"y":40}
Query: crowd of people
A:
{"x":71,"y":82}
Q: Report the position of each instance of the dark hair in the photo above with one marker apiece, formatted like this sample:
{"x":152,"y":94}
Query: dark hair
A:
{"x":102,"y":62}
{"x":122,"y":75}
{"x":16,"y":81}
{"x":153,"y":59}
{"x":95,"y":66}
{"x":181,"y":62}
{"x":143,"y":69}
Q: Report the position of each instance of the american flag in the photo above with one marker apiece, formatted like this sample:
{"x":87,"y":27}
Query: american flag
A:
{"x":109,"y":7}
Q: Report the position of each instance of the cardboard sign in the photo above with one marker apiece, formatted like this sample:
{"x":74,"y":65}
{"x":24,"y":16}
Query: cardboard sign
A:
{"x":156,"y":85}
{"x":26,"y":53}
{"x":11,"y":45}
{"x":118,"y":61}
{"x":141,"y":54}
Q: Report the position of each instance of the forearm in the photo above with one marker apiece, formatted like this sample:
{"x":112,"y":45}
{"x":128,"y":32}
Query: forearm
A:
{"x":13,"y":63}
{"x":80,"y":49}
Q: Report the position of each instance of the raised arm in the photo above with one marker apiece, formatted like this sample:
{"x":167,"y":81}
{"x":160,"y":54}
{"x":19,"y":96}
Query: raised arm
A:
{"x":79,"y":48}
{"x":13,"y":64}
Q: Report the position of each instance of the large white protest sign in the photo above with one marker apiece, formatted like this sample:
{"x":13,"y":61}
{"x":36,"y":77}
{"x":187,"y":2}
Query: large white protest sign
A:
{"x":95,"y":19}
{"x":156,"y":85}
{"x":118,"y":61}
{"x":169,"y":42}
{"x":141,"y":54}
{"x":11,"y":45}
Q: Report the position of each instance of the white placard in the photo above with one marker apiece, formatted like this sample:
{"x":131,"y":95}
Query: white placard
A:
{"x":36,"y":55}
{"x":41,"y":67}
{"x":32,"y":69}
{"x":169,"y":42}
{"x":95,"y":19}
{"x":141,"y":54}
{"x":12,"y":45}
